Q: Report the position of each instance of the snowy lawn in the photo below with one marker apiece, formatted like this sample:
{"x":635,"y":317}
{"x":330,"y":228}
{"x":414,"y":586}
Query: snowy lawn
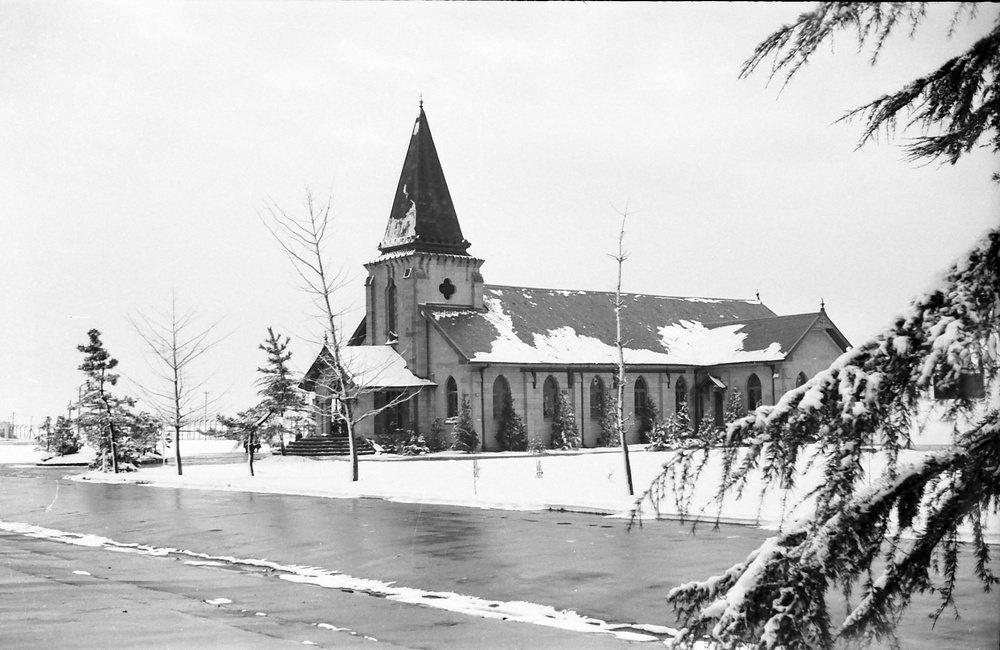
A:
{"x":21,"y":452}
{"x":587,"y":481}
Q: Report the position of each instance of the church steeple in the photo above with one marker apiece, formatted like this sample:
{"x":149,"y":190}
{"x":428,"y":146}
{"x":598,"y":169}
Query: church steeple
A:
{"x":423,"y":218}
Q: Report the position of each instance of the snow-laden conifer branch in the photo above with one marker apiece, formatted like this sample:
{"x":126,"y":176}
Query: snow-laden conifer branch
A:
{"x":961,"y":98}
{"x":911,"y":517}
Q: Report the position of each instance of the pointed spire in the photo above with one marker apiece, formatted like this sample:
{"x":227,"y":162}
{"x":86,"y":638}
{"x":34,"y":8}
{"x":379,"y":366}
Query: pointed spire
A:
{"x":423,"y":217}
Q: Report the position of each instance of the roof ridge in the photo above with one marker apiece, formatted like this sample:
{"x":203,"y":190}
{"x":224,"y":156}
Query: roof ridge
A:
{"x":776,"y":316}
{"x":624,"y":293}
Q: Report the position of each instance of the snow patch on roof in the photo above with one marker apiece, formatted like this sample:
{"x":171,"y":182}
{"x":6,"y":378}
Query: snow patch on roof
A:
{"x":452,"y":313}
{"x":378,"y":366}
{"x":686,"y":343}
{"x":690,"y":342}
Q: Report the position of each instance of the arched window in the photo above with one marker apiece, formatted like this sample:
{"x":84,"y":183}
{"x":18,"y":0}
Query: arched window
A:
{"x":680,"y":394}
{"x":643,"y":413}
{"x":641,"y":395}
{"x":801,"y":379}
{"x":549,"y":391}
{"x":596,"y":399}
{"x":451,"y":390}
{"x":390,"y":310}
{"x":500,"y":389}
{"x":754,"y":395}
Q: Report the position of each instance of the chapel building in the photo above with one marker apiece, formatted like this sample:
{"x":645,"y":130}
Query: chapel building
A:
{"x":458,"y":337}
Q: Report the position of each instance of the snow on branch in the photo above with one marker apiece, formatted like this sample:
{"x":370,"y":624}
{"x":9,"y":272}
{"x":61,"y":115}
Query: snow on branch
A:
{"x":912,"y":517}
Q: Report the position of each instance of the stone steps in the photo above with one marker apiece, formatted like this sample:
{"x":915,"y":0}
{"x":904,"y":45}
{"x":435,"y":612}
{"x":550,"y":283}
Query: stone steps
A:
{"x":323,"y":446}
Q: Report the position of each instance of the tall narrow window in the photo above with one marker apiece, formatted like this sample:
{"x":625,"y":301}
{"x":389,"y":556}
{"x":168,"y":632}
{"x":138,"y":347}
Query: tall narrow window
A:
{"x":390,"y":310}
{"x":641,"y":394}
{"x":680,"y":393}
{"x":549,"y":391}
{"x":500,"y":389}
{"x":644,"y":413}
{"x":801,"y":379}
{"x":451,"y":390}
{"x":754,"y":396}
{"x":596,"y":399}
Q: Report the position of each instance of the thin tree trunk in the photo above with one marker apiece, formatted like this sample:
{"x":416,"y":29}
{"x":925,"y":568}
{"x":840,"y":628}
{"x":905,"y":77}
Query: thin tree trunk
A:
{"x":619,"y":409}
{"x":177,"y":449}
{"x":111,"y":428}
{"x":250,"y":444}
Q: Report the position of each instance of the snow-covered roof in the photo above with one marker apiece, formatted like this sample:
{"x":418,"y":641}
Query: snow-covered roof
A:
{"x":543,"y":326}
{"x":369,"y":366}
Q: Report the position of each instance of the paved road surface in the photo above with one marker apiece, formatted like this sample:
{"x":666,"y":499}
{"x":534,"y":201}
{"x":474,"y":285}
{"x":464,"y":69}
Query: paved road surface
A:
{"x":54,"y":594}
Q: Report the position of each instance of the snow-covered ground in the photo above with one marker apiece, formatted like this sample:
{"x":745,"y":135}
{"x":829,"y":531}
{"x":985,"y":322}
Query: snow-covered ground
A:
{"x":588,"y":481}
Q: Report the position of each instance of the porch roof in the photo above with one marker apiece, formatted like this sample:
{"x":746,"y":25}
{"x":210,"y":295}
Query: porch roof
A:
{"x":369,"y":366}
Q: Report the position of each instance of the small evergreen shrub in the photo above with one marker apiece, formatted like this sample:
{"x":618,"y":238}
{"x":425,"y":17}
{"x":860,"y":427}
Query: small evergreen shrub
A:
{"x":464,"y":433}
{"x":708,"y":432}
{"x":512,"y":434}
{"x":436,"y":441}
{"x":414,"y":444}
{"x":647,"y":415}
{"x":672,"y":433}
{"x":609,"y":434}
{"x":392,"y":441}
{"x":564,"y":432}
{"x":535,"y":445}
{"x":734,"y":411}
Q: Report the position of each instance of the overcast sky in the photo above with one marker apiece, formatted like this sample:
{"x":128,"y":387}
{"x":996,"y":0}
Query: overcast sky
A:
{"x":139,"y":141}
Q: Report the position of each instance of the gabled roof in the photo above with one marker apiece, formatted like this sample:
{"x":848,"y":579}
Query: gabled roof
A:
{"x":787,"y":331}
{"x":423,"y":217}
{"x":369,"y":366}
{"x":543,"y":326}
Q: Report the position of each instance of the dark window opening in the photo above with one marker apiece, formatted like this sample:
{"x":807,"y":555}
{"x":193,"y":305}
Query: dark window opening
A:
{"x":451,"y":390}
{"x":549,"y":391}
{"x":500,"y":389}
{"x":596,"y":399}
{"x":754,"y":394}
{"x":390,"y":311}
{"x":680,"y":394}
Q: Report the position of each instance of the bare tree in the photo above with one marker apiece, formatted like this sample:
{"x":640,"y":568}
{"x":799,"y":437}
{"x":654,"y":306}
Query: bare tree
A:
{"x":620,"y":422}
{"x":304,"y":240}
{"x":175,"y":342}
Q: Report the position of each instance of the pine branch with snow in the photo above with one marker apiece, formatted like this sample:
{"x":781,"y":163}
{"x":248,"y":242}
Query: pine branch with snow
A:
{"x":911,"y":517}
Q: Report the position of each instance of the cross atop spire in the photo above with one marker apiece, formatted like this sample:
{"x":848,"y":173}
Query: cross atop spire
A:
{"x":423,"y":218}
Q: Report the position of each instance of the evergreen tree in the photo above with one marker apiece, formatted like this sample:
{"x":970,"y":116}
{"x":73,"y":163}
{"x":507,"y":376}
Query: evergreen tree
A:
{"x":647,"y":414}
{"x":708,"y":431}
{"x":278,"y":388}
{"x":891,"y":536}
{"x":64,"y":439}
{"x":564,"y":431}
{"x":673,"y":433}
{"x":734,"y":411}
{"x":512,"y":434}
{"x":609,"y":429}
{"x":436,"y":441}
{"x":136,"y":434}
{"x":466,"y":438}
{"x":97,"y":365}
{"x":44,"y":438}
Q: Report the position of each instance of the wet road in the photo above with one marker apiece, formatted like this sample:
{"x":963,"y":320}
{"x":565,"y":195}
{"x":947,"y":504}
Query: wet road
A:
{"x":583,"y":563}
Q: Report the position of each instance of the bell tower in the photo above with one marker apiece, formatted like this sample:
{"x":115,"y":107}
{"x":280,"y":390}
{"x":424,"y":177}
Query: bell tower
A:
{"x":423,"y":256}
